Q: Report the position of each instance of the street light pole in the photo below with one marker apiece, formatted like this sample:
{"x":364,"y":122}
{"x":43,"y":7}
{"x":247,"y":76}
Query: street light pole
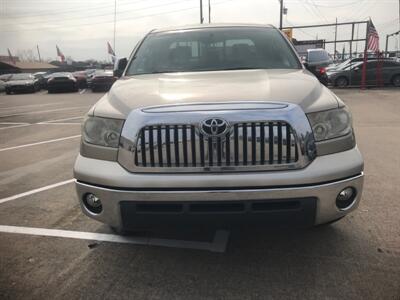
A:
{"x":115,"y":22}
{"x":280,"y":14}
{"x":201,"y":12}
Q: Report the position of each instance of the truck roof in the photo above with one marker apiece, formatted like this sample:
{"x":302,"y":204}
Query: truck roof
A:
{"x":213,"y":25}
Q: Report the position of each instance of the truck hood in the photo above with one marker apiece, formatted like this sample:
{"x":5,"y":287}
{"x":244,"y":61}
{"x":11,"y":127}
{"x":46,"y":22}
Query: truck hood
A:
{"x":291,"y":86}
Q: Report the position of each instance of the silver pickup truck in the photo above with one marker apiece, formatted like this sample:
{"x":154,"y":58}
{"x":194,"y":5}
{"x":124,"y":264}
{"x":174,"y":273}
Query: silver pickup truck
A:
{"x":217,"y":124}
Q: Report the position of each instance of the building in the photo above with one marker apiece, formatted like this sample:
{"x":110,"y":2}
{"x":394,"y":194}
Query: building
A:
{"x":6,"y":66}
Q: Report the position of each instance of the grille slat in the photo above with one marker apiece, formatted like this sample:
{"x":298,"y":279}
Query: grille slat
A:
{"x":185,"y":149}
{"x":176,"y":145}
{"x":151,"y":145}
{"x":279,"y":143}
{"x":288,"y":143}
{"x":193,"y":144}
{"x":168,"y":145}
{"x":246,"y":144}
{"x":262,"y":142}
{"x":271,"y":142}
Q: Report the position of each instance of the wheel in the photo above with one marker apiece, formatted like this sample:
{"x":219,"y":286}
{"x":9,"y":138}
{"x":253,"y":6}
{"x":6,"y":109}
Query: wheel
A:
{"x":8,"y":92}
{"x":341,"y":82}
{"x":396,"y":80}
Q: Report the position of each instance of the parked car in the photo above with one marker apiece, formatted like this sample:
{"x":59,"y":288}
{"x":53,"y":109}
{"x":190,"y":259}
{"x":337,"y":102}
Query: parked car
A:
{"x":5,"y":77}
{"x":2,"y":86}
{"x":344,"y":63}
{"x":316,"y":62}
{"x":352,"y":74}
{"x":102,"y":80}
{"x":62,"y":81}
{"x":22,"y":82}
{"x":80,"y":77}
{"x":238,"y":132}
{"x":41,"y":77}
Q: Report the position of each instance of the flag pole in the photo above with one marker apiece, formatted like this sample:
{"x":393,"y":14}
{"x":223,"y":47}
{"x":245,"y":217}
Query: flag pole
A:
{"x":364,"y":67}
{"x":38,"y":51}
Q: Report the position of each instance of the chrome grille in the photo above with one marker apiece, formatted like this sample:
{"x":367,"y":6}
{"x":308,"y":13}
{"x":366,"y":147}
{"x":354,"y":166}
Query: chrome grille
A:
{"x":247,"y":144}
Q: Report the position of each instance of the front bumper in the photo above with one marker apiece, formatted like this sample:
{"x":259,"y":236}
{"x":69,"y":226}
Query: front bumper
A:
{"x":321,"y":181}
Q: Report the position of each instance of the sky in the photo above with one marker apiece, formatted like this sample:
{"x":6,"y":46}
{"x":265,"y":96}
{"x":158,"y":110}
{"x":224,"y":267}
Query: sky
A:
{"x":81,"y":28}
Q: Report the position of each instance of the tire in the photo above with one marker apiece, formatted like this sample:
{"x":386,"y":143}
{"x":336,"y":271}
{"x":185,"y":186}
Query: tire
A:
{"x":330,"y":222}
{"x":396,"y":80}
{"x":119,"y":231}
{"x":8,"y":92}
{"x":341,"y":82}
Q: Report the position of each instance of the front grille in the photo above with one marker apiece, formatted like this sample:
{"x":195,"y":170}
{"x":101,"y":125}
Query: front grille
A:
{"x":245,"y":144}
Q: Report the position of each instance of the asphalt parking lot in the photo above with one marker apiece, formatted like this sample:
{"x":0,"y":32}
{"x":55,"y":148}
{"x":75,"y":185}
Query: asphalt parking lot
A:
{"x":49,"y":249}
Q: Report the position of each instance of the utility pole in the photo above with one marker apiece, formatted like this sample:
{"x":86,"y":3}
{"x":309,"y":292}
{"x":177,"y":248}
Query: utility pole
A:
{"x":209,"y":11}
{"x":334,"y":51}
{"x":201,"y":12}
{"x":115,"y":23}
{"x":281,"y":14}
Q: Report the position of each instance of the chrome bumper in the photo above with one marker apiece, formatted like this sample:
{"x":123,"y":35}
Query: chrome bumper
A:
{"x":323,"y":179}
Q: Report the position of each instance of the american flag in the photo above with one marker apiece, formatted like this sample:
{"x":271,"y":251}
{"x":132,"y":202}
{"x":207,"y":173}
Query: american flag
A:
{"x":11,"y":57}
{"x":60,"y":54}
{"x":373,"y":38}
{"x":110,"y":49}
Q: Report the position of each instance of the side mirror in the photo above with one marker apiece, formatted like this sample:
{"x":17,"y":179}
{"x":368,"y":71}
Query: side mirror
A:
{"x":120,"y":66}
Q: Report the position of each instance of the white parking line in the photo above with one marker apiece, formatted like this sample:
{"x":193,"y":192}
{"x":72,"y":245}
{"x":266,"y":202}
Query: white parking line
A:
{"x":30,"y":105}
{"x":82,"y":91}
{"x":64,"y":119}
{"x":49,"y":122}
{"x":35,"y":191}
{"x":40,"y":143}
{"x":105,"y":237}
{"x":42,"y":111}
{"x":13,"y":123}
{"x":14,"y":126}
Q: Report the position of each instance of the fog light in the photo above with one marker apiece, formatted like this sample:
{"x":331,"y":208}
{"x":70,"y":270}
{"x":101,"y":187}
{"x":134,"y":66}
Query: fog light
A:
{"x":92,"y":203}
{"x":345,"y":198}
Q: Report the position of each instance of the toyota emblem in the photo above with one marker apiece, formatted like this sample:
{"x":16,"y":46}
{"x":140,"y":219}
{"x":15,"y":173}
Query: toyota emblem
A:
{"x":214,"y":127}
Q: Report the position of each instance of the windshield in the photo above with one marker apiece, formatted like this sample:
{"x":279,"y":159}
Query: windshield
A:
{"x":22,"y":77}
{"x":212,"y":50}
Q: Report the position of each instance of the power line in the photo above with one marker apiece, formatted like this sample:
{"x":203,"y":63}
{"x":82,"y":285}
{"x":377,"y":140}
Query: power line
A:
{"x":43,"y":13}
{"x":120,"y":20}
{"x":101,"y":15}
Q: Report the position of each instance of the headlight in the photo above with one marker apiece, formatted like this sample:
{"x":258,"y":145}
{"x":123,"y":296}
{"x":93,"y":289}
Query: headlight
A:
{"x":102,"y":131}
{"x":331,"y":123}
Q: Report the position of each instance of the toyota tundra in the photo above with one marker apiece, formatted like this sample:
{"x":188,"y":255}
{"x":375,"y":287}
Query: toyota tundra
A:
{"x":217,"y":124}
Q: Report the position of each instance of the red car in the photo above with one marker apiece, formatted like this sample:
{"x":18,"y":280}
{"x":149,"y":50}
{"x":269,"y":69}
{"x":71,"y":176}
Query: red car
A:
{"x":81,"y":79}
{"x":102,"y":80}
